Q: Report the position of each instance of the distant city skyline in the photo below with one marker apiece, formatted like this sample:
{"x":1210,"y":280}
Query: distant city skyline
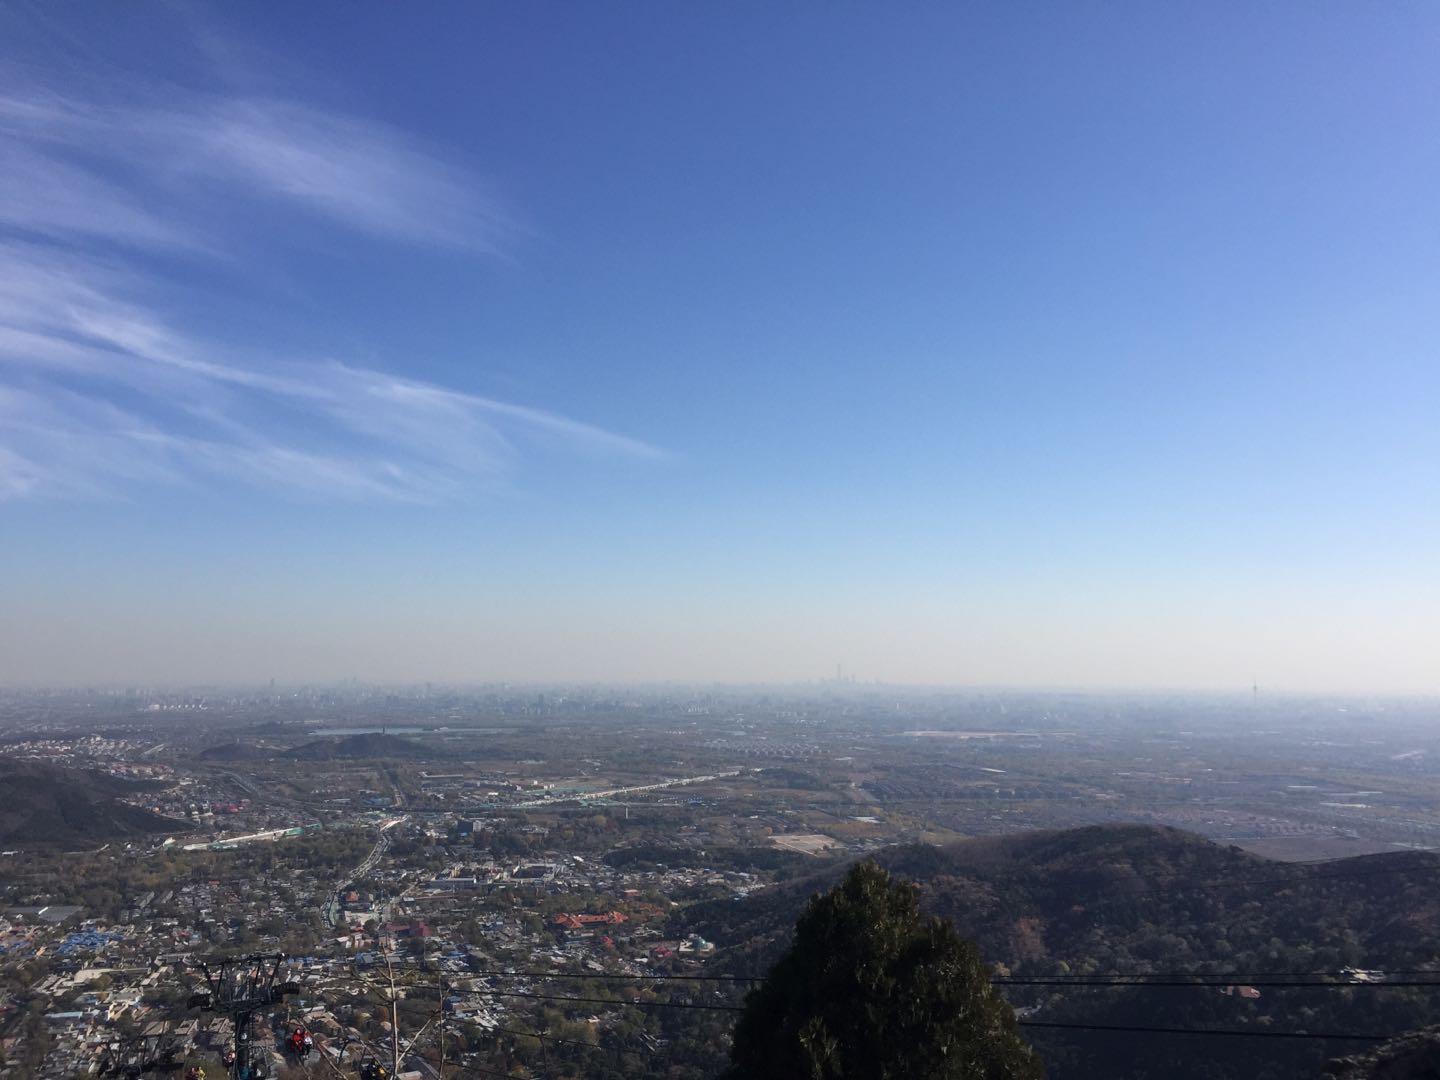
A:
{"x":959,"y":346}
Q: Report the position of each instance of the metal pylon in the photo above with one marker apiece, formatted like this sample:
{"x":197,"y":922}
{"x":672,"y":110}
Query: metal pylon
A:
{"x":239,"y":987}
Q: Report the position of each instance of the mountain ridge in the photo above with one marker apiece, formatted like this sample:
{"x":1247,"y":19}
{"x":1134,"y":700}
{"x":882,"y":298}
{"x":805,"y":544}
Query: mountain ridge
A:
{"x":1144,"y":900}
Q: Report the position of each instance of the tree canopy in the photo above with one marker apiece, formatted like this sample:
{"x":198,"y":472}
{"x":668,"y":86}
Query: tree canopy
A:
{"x":870,"y":990}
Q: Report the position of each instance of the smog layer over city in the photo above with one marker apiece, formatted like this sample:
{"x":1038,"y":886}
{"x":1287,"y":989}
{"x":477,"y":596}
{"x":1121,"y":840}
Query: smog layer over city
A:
{"x":719,"y":541}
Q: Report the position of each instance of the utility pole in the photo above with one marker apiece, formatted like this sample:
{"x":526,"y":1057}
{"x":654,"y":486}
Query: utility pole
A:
{"x":440,"y":977}
{"x":394,"y":1019}
{"x":397,"y":1050}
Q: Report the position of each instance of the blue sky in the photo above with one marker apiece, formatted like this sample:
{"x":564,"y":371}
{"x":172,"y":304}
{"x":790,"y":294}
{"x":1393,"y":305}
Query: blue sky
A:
{"x":1081,"y":345}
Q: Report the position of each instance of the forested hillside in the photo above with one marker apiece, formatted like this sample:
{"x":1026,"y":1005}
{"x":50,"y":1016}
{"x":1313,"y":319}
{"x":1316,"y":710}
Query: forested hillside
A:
{"x":44,"y":805}
{"x":1130,"y":900}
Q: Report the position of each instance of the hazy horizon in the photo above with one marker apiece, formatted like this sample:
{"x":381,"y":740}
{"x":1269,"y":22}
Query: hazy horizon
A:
{"x":961,"y":346}
{"x":830,"y":685}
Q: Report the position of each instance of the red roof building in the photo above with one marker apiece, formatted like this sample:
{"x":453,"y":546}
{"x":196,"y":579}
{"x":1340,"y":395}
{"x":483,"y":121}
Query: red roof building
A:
{"x":583,"y":922}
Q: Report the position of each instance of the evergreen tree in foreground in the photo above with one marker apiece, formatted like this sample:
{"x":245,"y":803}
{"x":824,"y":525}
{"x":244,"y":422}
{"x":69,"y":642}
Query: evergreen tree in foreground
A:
{"x":871,"y":991}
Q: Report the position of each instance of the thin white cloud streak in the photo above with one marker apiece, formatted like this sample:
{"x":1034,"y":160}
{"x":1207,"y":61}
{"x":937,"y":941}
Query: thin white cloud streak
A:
{"x":62,"y":445}
{"x":399,"y":438}
{"x":80,"y":325}
{"x":408,"y":393}
{"x":359,"y":174}
{"x":314,"y":158}
{"x":48,"y":197}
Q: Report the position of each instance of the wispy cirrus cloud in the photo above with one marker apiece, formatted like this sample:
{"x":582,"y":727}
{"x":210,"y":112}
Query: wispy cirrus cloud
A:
{"x":103,"y":388}
{"x":44,"y":195}
{"x":359,"y":174}
{"x":72,"y":347}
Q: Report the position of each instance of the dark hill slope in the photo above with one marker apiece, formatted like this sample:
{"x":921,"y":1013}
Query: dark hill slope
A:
{"x":370,"y":746}
{"x":1142,"y":900}
{"x":44,"y":805}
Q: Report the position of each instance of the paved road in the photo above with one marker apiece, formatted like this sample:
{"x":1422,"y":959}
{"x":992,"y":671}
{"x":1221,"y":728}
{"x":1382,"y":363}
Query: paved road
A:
{"x":612,"y":792}
{"x":331,"y":911}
